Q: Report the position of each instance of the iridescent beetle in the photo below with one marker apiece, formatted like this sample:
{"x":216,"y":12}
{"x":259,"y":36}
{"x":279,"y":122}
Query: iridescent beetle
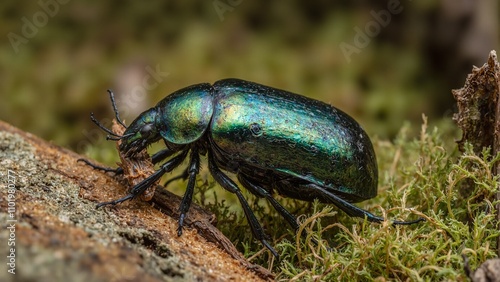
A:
{"x":273,"y":140}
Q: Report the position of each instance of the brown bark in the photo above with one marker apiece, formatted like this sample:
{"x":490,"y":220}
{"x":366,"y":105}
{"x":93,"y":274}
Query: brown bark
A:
{"x":61,"y":236}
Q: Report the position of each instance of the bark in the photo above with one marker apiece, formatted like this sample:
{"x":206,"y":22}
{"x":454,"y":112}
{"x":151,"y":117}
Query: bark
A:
{"x":59,"y":235}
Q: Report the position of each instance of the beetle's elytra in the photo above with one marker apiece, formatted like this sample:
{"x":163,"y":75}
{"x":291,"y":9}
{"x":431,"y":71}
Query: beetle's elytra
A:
{"x":273,"y":140}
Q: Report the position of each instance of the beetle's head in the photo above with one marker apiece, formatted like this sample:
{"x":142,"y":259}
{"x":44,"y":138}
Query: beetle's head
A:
{"x":141,"y":133}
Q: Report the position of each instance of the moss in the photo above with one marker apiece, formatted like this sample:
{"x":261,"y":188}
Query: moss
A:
{"x":418,"y":177}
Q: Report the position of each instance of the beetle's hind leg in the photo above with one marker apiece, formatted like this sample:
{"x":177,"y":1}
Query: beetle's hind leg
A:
{"x":353,"y":210}
{"x":229,"y":185}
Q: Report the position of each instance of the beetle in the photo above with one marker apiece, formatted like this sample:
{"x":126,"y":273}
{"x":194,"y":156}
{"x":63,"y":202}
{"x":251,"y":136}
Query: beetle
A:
{"x":272,"y":140}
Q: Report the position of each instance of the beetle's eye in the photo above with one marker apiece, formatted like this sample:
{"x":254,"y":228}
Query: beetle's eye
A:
{"x":146,"y":130}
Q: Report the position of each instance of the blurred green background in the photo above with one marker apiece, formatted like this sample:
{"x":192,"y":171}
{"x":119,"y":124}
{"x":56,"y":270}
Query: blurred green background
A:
{"x":57,"y":58}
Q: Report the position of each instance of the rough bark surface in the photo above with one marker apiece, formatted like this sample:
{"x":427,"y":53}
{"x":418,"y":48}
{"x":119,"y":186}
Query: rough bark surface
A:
{"x":61,"y":236}
{"x":477,"y":105}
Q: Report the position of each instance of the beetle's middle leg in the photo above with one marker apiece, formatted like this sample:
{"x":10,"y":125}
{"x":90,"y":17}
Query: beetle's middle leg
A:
{"x":229,"y":185}
{"x":184,"y":175}
{"x":259,"y":191}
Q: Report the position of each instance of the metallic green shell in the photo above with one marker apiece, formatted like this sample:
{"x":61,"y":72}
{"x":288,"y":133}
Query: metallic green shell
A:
{"x":275,"y":130}
{"x":185,"y":115}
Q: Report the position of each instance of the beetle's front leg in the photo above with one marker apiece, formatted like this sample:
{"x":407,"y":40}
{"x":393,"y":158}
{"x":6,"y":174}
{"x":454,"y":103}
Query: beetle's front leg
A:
{"x":192,"y":171}
{"x":156,"y":158}
{"x":143,"y":185}
{"x":162,"y":154}
{"x":116,"y":171}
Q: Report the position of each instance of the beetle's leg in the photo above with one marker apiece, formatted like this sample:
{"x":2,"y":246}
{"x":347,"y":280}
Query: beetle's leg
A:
{"x":162,"y":154}
{"x":353,"y":210}
{"x":156,"y":158}
{"x":116,"y":171}
{"x":115,"y":109}
{"x":263,"y":193}
{"x":259,"y":191}
{"x":184,"y":175}
{"x":143,"y":185}
{"x":229,"y":185}
{"x":193,"y":169}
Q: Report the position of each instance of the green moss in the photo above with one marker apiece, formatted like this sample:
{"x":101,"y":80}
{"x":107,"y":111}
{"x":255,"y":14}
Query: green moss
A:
{"x":421,"y":176}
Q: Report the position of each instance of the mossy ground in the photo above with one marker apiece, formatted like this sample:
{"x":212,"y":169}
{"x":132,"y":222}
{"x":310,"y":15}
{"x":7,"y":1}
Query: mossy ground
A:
{"x":419,"y":177}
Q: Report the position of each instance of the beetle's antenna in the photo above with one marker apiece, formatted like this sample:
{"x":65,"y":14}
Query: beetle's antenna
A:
{"x":115,"y":108}
{"x":92,"y":117}
{"x":111,"y":135}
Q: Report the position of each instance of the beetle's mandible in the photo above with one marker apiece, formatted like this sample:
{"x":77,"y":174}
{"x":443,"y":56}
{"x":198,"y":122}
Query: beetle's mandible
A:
{"x":272,"y":140}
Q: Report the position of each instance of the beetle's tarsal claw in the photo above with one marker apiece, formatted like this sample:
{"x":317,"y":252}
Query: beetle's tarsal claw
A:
{"x":181,"y":223}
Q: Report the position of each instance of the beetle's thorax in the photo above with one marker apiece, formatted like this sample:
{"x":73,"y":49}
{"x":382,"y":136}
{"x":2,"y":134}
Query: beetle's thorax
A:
{"x":184,"y":116}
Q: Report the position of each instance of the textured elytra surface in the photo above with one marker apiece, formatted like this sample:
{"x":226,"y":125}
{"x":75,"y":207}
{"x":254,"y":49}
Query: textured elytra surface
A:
{"x":263,"y":127}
